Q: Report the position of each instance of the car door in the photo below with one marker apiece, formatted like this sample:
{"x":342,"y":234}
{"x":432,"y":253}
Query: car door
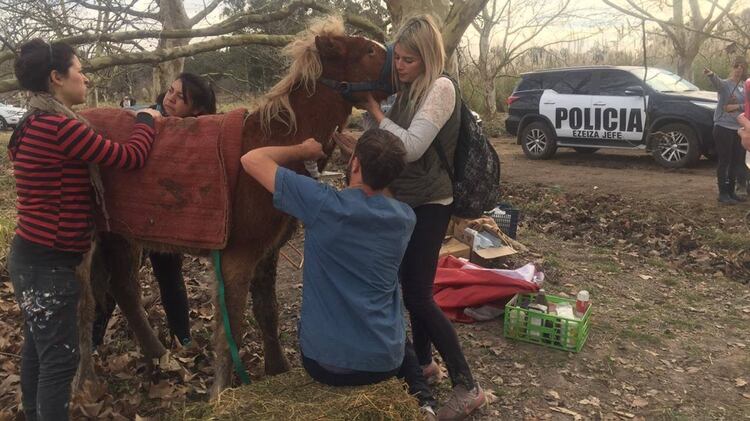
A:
{"x":619,"y":113}
{"x":566,"y":97}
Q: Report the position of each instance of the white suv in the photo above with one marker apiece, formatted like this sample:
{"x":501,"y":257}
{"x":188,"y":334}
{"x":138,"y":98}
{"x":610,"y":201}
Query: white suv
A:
{"x":10,"y":115}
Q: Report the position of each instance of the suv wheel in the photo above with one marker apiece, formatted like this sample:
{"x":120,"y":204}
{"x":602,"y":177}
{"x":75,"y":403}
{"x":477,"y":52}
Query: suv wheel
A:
{"x":676,"y":146}
{"x":537,"y":141}
{"x":586,"y":151}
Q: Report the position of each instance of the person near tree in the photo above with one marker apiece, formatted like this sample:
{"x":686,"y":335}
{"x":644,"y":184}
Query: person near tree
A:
{"x":726,"y":141}
{"x":189,"y":95}
{"x":55,"y":155}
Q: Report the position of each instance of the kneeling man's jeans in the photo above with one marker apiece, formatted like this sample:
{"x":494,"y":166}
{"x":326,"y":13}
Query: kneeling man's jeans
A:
{"x":410,"y":371}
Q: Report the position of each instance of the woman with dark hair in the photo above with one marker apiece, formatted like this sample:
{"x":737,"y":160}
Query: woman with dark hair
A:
{"x":55,"y":155}
{"x":726,"y":140}
{"x":188,"y":96}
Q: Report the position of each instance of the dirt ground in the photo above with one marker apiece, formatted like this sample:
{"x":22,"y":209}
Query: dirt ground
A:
{"x":666,"y":267}
{"x":622,"y":172}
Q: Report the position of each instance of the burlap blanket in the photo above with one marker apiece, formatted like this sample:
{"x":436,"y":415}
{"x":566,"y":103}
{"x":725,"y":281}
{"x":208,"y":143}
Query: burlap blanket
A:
{"x":183,"y":196}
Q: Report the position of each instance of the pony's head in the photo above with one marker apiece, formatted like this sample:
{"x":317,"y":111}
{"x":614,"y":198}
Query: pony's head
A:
{"x":324,"y":54}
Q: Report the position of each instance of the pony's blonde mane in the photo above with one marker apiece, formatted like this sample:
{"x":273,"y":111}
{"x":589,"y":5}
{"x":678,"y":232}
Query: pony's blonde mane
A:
{"x":304,"y":71}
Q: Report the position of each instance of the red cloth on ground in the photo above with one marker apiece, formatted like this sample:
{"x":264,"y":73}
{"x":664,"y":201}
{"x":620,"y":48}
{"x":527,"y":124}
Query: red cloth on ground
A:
{"x":183,"y":196}
{"x":460,"y":284}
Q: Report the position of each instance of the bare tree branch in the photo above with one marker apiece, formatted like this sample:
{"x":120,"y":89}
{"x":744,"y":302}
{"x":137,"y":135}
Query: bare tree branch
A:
{"x":227,"y":26}
{"x":205,"y":12}
{"x":168,"y":54}
{"x":126,"y":10}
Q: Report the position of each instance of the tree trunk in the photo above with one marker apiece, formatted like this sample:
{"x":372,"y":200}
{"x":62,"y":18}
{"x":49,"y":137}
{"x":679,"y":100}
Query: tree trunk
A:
{"x":489,"y":92}
{"x":173,"y":16}
{"x":452,"y":20}
{"x":402,"y":9}
{"x":685,"y":60}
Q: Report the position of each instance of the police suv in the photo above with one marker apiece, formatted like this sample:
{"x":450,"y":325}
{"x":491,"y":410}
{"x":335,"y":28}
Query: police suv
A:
{"x":625,"y":107}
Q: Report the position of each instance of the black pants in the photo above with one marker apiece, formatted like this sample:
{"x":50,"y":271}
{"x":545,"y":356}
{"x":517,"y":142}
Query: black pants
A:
{"x":168,"y":273}
{"x":410,"y":371}
{"x":48,"y":298}
{"x":428,"y":323}
{"x":730,"y":154}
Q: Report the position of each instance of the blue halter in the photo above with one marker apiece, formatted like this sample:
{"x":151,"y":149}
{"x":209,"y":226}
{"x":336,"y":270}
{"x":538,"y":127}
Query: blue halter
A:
{"x":384,"y":82}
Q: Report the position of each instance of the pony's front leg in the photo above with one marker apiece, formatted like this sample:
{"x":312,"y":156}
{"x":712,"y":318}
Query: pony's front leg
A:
{"x":266,"y":313}
{"x":237,"y":267}
{"x":123,"y":258}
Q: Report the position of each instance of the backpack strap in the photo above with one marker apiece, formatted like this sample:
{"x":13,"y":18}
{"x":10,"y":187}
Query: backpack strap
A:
{"x":443,"y":159}
{"x":436,"y":143}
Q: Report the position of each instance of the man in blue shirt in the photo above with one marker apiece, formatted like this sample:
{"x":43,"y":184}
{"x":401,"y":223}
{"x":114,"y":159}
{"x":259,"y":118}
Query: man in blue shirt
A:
{"x":351,"y":329}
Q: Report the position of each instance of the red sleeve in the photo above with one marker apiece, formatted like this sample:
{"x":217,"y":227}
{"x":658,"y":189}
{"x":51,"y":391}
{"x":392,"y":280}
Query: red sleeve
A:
{"x":78,"y":141}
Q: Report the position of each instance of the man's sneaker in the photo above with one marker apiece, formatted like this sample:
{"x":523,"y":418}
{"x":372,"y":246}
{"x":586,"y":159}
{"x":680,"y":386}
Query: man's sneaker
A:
{"x":461,"y":403}
{"x":432,"y":373}
{"x":427,"y":413}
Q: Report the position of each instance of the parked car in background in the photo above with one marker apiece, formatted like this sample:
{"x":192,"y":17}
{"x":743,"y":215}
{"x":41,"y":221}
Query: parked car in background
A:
{"x":10,"y":115}
{"x":623,"y":107}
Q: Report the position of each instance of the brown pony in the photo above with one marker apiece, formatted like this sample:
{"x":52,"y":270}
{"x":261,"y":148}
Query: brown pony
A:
{"x":297,"y":108}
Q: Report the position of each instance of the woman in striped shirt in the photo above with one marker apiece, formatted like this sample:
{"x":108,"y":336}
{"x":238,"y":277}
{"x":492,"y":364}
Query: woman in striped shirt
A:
{"x":54,"y":154}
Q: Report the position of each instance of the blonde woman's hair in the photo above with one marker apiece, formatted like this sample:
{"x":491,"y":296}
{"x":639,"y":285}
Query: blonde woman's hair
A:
{"x":420,"y":35}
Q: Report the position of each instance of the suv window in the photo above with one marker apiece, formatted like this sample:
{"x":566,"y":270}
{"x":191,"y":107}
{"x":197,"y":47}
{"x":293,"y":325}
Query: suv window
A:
{"x":614,"y":82}
{"x":576,"y":83}
{"x":529,"y":83}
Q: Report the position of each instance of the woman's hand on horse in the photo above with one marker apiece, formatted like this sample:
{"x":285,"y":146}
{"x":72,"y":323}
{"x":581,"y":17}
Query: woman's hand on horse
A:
{"x":373,"y":107}
{"x":312,"y":150}
{"x":150,"y":111}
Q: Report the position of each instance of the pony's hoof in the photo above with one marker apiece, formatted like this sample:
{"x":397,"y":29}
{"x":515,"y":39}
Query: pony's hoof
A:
{"x":277,"y":366}
{"x":215,"y":391}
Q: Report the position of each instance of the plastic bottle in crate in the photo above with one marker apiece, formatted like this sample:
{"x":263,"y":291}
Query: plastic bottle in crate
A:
{"x":572,"y":334}
{"x":517,"y":323}
{"x":535,"y":320}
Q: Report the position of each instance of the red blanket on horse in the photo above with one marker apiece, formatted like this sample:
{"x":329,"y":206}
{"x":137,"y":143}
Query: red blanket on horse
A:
{"x":183,"y":196}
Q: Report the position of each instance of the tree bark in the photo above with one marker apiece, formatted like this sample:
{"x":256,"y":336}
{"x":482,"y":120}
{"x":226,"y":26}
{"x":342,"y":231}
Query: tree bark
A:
{"x":486,"y":75}
{"x":172,"y":16}
{"x":452,"y":20}
{"x":459,"y":18}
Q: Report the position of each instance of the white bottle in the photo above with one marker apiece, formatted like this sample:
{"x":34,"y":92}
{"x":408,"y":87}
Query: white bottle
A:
{"x":536,"y":320}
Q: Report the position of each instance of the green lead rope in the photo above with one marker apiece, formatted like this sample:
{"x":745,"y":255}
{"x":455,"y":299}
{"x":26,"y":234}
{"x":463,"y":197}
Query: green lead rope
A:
{"x":238,"y":367}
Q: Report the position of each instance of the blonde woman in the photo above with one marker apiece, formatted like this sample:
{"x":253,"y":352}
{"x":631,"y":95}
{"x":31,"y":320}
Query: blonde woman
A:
{"x":427,"y":112}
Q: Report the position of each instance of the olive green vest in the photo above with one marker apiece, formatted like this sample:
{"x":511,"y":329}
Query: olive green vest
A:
{"x":425,"y":180}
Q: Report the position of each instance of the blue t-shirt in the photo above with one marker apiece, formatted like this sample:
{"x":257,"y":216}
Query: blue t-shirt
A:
{"x":351,"y":300}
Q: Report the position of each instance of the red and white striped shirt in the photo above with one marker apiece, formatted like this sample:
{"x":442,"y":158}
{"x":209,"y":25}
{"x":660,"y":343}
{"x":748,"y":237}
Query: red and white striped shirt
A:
{"x":50,"y":164}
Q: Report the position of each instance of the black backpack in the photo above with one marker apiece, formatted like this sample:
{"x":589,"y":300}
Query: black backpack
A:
{"x":475,"y":172}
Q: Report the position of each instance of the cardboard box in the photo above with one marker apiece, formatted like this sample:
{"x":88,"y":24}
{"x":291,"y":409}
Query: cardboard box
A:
{"x":455,"y":248}
{"x":486,"y":226}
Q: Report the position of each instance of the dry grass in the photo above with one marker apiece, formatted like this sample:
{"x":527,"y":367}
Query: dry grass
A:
{"x":295,"y":396}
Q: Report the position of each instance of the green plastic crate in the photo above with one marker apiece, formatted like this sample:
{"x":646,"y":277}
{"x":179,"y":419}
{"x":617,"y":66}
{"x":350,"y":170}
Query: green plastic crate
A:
{"x":551,"y":330}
